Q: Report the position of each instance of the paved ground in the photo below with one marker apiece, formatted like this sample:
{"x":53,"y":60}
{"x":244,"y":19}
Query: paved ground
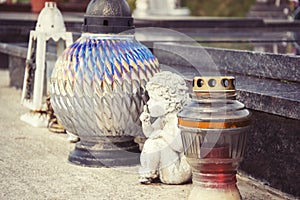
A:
{"x":33,"y":165}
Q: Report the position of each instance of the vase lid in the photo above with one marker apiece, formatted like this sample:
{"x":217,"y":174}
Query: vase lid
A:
{"x":107,"y":16}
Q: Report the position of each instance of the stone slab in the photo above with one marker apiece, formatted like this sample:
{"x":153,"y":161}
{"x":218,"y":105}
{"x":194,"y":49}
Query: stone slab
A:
{"x":17,"y":50}
{"x":15,"y":27}
{"x":260,"y":94}
{"x":265,"y":82}
{"x":198,"y":22}
{"x":250,"y":63}
{"x":270,"y":96}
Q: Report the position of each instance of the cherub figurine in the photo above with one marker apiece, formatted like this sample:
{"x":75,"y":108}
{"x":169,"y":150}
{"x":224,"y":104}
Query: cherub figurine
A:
{"x":162,"y":155}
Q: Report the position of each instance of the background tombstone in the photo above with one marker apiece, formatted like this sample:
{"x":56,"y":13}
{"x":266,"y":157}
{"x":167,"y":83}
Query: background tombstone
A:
{"x":160,"y":8}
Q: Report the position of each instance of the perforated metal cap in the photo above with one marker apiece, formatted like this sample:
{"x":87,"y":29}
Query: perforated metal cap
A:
{"x":107,"y":16}
{"x":212,"y":84}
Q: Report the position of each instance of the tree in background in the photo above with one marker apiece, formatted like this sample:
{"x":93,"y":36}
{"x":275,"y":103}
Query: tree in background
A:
{"x":131,"y":4}
{"x":220,"y":8}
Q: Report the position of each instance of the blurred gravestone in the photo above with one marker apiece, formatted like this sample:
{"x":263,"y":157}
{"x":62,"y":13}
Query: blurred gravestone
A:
{"x":270,"y":9}
{"x":160,"y":8}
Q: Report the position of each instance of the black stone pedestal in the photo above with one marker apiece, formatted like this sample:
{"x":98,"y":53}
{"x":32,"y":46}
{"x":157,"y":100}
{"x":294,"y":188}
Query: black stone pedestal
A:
{"x":106,"y":152}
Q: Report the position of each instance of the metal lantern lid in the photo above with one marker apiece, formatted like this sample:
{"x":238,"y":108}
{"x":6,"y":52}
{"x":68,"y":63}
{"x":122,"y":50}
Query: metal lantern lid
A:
{"x":214,"y":105}
{"x":50,"y":19}
{"x":107,"y":16}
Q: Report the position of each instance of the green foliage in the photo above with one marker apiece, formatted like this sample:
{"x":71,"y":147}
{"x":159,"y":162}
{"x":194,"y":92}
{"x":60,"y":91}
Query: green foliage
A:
{"x":131,"y":4}
{"x":23,"y":1}
{"x":225,"y":8}
{"x":222,"y":8}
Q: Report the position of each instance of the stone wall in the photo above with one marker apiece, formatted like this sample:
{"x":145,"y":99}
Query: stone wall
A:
{"x":272,"y":151}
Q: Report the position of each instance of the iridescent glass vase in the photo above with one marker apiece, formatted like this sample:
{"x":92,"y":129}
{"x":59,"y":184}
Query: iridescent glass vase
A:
{"x":98,"y":89}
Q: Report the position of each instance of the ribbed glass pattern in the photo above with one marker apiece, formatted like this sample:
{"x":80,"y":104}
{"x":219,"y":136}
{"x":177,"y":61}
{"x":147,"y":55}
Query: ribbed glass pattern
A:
{"x":230,"y":143}
{"x":98,"y":85}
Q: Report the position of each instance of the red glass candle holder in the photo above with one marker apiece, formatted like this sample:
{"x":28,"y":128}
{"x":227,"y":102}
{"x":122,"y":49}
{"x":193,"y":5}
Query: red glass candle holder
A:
{"x":213,"y":130}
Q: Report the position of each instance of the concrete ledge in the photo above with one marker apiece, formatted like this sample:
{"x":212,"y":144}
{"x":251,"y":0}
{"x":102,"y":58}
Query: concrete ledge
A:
{"x":244,"y":181}
{"x":17,"y":50}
